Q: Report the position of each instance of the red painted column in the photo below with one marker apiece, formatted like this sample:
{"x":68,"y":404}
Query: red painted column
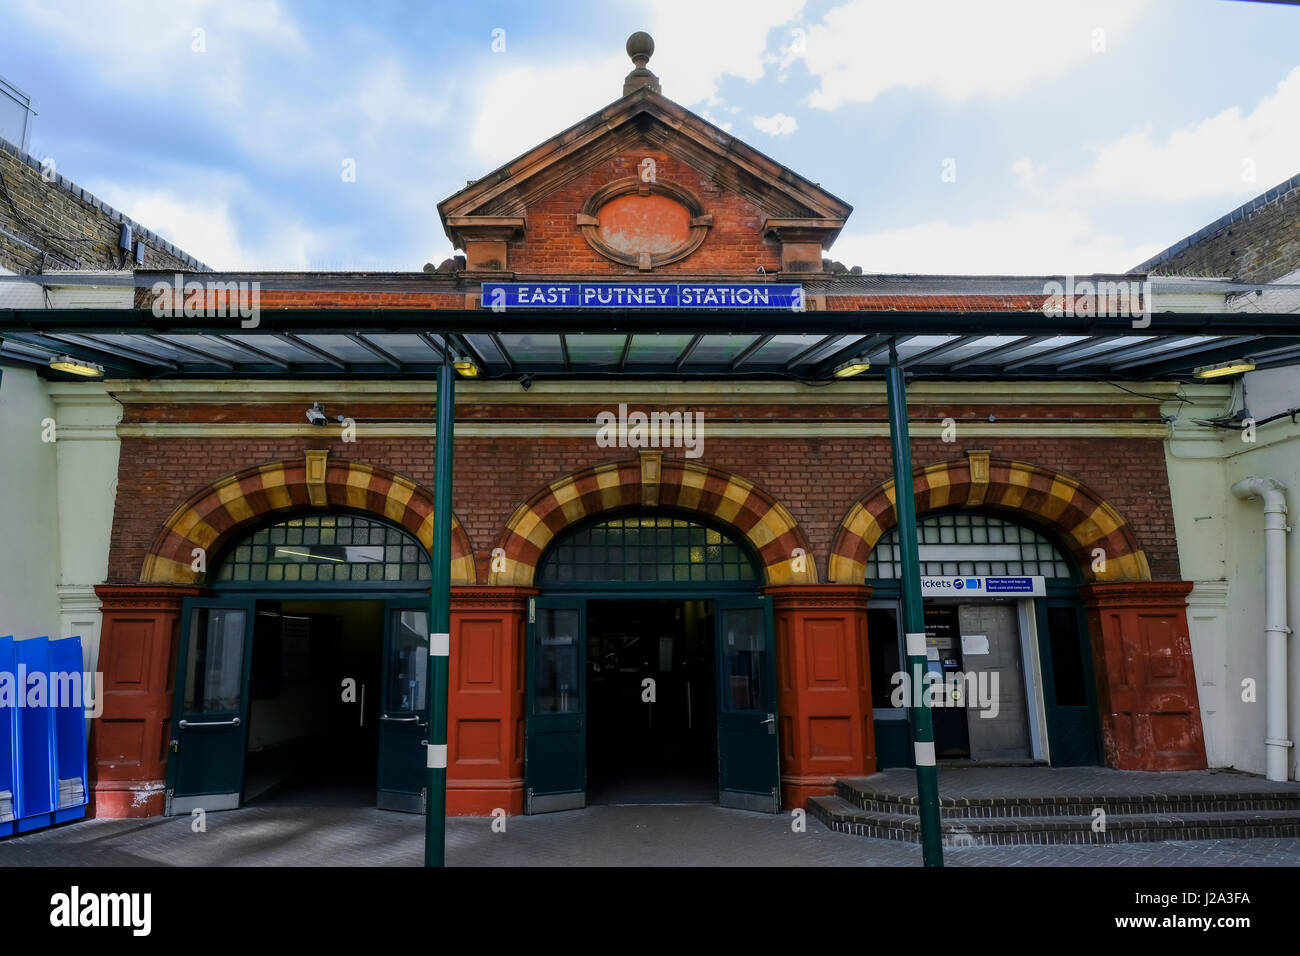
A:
{"x":1146,"y":685}
{"x":485,"y":733}
{"x":129,"y":743}
{"x":823,"y":688}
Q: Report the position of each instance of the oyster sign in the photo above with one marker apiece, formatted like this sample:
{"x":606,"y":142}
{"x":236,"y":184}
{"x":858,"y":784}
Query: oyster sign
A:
{"x":642,"y":295}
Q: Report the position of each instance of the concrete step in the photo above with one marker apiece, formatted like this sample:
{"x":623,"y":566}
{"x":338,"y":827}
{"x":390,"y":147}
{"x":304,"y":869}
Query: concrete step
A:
{"x":839,"y":814}
{"x":863,"y":794}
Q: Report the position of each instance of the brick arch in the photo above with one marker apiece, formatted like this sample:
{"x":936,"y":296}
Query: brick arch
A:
{"x":1076,"y":515}
{"x":225,"y":509}
{"x":655,"y":483}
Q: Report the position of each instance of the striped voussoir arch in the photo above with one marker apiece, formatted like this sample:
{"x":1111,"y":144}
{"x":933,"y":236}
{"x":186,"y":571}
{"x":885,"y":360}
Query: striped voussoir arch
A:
{"x":221,"y":512}
{"x":677,"y":485}
{"x":1077,"y":516}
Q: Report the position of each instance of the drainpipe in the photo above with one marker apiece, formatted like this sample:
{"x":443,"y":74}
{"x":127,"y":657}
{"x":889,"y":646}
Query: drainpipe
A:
{"x":1275,"y":629}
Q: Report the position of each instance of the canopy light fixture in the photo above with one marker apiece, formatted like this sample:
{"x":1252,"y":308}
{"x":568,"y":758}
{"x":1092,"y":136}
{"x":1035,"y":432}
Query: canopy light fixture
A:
{"x":853,"y":366}
{"x":66,"y":363}
{"x":1224,"y":368}
{"x":465,"y":366}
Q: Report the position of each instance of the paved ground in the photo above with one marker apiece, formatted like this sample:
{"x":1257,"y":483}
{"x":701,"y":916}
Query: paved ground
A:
{"x":698,"y":835}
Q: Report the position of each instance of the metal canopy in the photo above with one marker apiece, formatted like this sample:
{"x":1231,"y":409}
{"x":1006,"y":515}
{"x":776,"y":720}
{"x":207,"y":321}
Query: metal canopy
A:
{"x":386,"y":343}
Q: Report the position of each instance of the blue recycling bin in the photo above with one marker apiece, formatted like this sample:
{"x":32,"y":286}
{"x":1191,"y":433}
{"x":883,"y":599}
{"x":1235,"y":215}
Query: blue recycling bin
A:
{"x":8,"y":737}
{"x":43,"y":768}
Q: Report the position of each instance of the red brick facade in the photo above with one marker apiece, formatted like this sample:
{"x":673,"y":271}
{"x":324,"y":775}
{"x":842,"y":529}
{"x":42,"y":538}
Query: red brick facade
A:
{"x":526,"y":220}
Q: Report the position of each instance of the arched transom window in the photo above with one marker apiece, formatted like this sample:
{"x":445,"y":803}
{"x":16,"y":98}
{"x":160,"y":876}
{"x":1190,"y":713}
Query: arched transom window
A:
{"x":648,"y":549}
{"x":329,"y":547}
{"x":975,"y":544}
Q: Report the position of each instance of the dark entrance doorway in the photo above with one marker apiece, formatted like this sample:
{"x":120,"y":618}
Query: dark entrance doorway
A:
{"x":650,"y":669}
{"x":652,"y":733}
{"x":302,"y":681}
{"x":314,"y":696}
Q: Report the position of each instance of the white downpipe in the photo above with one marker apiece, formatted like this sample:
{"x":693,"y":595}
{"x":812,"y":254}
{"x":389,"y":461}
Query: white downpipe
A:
{"x":1276,"y":742}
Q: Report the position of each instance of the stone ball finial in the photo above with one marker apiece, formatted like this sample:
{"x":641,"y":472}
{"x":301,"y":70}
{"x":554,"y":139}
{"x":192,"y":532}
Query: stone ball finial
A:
{"x":640,"y":47}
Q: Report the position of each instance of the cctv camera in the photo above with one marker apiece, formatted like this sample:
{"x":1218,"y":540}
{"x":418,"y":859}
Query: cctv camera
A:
{"x":316,"y":415}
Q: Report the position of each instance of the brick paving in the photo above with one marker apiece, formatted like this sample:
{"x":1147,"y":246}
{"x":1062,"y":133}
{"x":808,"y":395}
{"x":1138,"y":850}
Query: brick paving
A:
{"x":971,"y":783}
{"x":692,"y":835}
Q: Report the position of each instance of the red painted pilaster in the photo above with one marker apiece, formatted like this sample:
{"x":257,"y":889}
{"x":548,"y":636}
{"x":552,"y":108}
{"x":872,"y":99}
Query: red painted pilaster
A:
{"x":137,"y":656}
{"x":823,"y":688}
{"x":485,"y":735}
{"x":1146,"y":685}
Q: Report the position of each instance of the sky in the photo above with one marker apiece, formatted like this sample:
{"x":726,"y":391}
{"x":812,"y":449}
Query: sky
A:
{"x":999,"y":137}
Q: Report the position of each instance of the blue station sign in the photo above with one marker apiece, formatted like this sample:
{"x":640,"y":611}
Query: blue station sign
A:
{"x":642,"y":295}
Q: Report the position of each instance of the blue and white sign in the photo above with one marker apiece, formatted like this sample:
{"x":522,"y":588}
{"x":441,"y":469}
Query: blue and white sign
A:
{"x":1025,"y":586}
{"x":642,"y":295}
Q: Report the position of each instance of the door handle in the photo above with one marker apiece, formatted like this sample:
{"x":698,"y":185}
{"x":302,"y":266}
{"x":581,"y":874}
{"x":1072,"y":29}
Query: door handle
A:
{"x":400,"y":720}
{"x":770,"y":720}
{"x":233,"y":722}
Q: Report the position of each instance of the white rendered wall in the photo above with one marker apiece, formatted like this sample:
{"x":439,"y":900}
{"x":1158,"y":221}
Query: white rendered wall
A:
{"x":1221,"y":549}
{"x":29,"y":517}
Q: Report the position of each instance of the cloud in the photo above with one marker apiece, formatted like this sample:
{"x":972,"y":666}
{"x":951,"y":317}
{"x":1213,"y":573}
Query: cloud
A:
{"x":1024,"y":242}
{"x":953,"y":48}
{"x":1232,"y":153}
{"x":523,"y":102}
{"x":199,"y":46}
{"x":1025,"y":171}
{"x":207,"y":228}
{"x":697,"y":42}
{"x":776,"y":125}
{"x":520,"y":106}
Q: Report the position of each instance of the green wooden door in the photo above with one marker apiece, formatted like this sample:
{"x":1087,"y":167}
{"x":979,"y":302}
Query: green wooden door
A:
{"x":1069,"y":692}
{"x":404,"y":707}
{"x":555,"y":752}
{"x":749,"y":775}
{"x":205,"y":769}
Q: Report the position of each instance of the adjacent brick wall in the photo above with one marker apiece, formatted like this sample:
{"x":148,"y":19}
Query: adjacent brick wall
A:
{"x":1257,"y":242}
{"x":50,"y":225}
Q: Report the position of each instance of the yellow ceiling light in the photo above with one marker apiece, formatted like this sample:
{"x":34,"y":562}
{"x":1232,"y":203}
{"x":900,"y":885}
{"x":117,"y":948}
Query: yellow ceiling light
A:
{"x":465,"y":366}
{"x":853,"y":366}
{"x":66,"y":363}
{"x":1224,"y":368}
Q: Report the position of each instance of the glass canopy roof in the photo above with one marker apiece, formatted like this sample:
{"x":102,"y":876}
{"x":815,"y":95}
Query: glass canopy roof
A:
{"x":400,"y":342}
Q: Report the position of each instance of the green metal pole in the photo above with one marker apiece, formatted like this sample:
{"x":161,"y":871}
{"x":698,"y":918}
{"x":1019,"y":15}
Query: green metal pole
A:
{"x":435,"y":821}
{"x":919,"y":716}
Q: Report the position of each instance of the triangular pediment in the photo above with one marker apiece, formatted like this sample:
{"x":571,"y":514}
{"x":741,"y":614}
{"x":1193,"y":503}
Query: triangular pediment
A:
{"x":498,"y":203}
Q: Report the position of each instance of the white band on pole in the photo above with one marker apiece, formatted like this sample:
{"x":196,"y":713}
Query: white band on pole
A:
{"x":925,"y":753}
{"x":440,"y":645}
{"x":916,"y":644}
{"x":437,"y":757}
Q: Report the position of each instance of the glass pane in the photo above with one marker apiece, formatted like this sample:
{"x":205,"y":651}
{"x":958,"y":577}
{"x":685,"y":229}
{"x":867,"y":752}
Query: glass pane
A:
{"x":408,"y":661}
{"x":647,"y":549}
{"x":327,"y":547}
{"x":1067,"y":657}
{"x":882,"y":642}
{"x":214,"y":667}
{"x":558,"y":646}
{"x":744,"y":659}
